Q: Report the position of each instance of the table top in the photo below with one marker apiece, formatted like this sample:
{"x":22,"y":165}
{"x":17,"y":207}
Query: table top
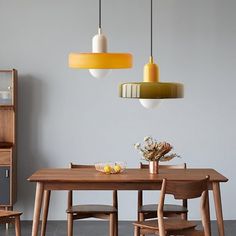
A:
{"x":83,"y":175}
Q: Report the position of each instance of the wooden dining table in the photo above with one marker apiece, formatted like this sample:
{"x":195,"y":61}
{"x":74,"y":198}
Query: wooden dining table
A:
{"x":48,"y":180}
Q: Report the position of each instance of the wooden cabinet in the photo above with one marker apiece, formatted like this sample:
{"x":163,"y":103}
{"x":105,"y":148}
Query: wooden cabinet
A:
{"x":8,"y":111}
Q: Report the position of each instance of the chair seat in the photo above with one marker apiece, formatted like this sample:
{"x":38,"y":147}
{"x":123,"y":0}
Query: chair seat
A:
{"x":168,"y":208}
{"x":91,"y":209}
{"x":9,"y":213}
{"x":170,"y":224}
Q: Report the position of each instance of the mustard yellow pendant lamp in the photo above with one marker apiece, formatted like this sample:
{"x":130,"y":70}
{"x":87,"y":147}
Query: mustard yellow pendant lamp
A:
{"x":99,"y":62}
{"x":151,"y":90}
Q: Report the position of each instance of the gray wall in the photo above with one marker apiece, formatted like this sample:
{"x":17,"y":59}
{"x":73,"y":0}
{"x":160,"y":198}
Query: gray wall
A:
{"x":65,"y":115}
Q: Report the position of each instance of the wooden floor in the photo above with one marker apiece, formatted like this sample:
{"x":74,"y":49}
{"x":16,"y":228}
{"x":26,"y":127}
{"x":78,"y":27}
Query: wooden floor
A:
{"x":88,"y":228}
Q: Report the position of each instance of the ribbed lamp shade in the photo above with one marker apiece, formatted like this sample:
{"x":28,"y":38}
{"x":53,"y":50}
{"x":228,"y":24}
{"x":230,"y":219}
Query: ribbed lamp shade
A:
{"x":148,"y":90}
{"x":151,"y":88}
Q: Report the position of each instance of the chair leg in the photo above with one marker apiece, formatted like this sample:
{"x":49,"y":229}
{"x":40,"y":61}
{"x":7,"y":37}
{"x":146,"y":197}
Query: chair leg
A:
{"x":206,"y":218}
{"x":116,"y":225}
{"x":184,"y":216}
{"x":112,"y":221}
{"x":136,"y":230}
{"x":17,"y":226}
{"x":7,"y":224}
{"x":69,"y":224}
{"x":141,"y":218}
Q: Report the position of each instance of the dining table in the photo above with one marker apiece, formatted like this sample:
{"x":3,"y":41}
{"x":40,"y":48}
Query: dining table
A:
{"x":62,"y":179}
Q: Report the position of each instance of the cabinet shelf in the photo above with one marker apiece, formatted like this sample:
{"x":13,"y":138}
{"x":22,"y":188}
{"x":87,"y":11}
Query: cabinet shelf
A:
{"x":6,"y":145}
{"x":6,"y":107}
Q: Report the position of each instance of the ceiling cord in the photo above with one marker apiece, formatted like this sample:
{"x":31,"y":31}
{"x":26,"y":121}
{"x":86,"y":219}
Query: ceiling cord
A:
{"x":100,"y":15}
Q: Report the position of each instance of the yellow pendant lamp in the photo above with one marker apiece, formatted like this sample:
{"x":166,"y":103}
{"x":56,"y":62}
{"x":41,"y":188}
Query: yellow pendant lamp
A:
{"x":151,"y":90}
{"x":99,"y":62}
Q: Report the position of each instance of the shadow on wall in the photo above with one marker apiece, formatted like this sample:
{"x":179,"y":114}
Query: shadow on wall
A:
{"x":29,"y":122}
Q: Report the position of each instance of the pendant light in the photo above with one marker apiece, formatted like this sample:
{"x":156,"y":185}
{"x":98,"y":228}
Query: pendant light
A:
{"x":99,"y":62}
{"x":150,"y":91}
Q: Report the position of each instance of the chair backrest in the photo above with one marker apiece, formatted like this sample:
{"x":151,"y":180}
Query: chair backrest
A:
{"x":186,"y":190}
{"x":182,"y":190}
{"x":180,"y":166}
{"x":70,"y":193}
{"x":165,"y":167}
{"x":73,"y":166}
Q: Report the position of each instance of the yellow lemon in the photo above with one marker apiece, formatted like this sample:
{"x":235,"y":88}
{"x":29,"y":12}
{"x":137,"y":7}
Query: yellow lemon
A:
{"x":107,"y":169}
{"x":117,"y":168}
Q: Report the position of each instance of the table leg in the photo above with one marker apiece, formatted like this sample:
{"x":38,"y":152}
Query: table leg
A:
{"x":46,"y":200}
{"x":37,"y":208}
{"x":218,"y":208}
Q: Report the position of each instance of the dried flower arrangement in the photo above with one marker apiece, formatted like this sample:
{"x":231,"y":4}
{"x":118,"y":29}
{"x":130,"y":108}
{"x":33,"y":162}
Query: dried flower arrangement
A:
{"x":151,"y":150}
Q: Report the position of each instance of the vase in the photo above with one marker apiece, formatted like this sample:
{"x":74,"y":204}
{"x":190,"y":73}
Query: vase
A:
{"x":153,"y":167}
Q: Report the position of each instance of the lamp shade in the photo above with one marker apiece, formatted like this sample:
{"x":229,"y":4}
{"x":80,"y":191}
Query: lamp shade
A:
{"x":100,"y":60}
{"x":151,"y":90}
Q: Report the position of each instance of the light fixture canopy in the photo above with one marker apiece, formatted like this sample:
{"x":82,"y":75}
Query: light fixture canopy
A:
{"x":151,"y":89}
{"x":99,"y":61}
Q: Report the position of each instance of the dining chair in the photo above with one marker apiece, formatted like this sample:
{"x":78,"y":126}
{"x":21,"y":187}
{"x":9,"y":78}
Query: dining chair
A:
{"x":7,"y":217}
{"x":177,"y":226}
{"x":75,"y":212}
{"x":148,"y":211}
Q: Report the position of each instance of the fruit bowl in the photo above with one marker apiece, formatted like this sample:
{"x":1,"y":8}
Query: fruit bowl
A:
{"x":110,"y":167}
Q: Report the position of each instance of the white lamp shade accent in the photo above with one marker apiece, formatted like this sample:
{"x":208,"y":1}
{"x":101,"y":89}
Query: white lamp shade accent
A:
{"x":99,"y":44}
{"x":150,"y":103}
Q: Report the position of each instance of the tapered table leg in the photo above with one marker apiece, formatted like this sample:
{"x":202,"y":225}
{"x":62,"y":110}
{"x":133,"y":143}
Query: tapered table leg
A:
{"x":46,"y":200}
{"x":37,"y":208}
{"x":218,"y":208}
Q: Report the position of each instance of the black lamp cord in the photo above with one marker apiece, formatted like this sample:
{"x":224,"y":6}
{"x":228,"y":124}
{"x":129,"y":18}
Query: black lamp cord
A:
{"x":100,"y":15}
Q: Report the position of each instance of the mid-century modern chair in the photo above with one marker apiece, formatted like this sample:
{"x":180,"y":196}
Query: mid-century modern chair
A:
{"x":7,"y":217}
{"x":148,"y":211}
{"x":177,"y":226}
{"x":109,"y":212}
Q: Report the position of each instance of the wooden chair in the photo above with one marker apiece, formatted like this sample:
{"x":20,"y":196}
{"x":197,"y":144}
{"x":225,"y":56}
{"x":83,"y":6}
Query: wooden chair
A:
{"x":7,"y":217}
{"x":75,"y":212}
{"x":177,"y":226}
{"x":148,"y":211}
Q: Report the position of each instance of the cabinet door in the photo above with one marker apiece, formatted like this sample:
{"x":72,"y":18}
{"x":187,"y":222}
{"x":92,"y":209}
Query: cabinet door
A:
{"x":4,"y":185}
